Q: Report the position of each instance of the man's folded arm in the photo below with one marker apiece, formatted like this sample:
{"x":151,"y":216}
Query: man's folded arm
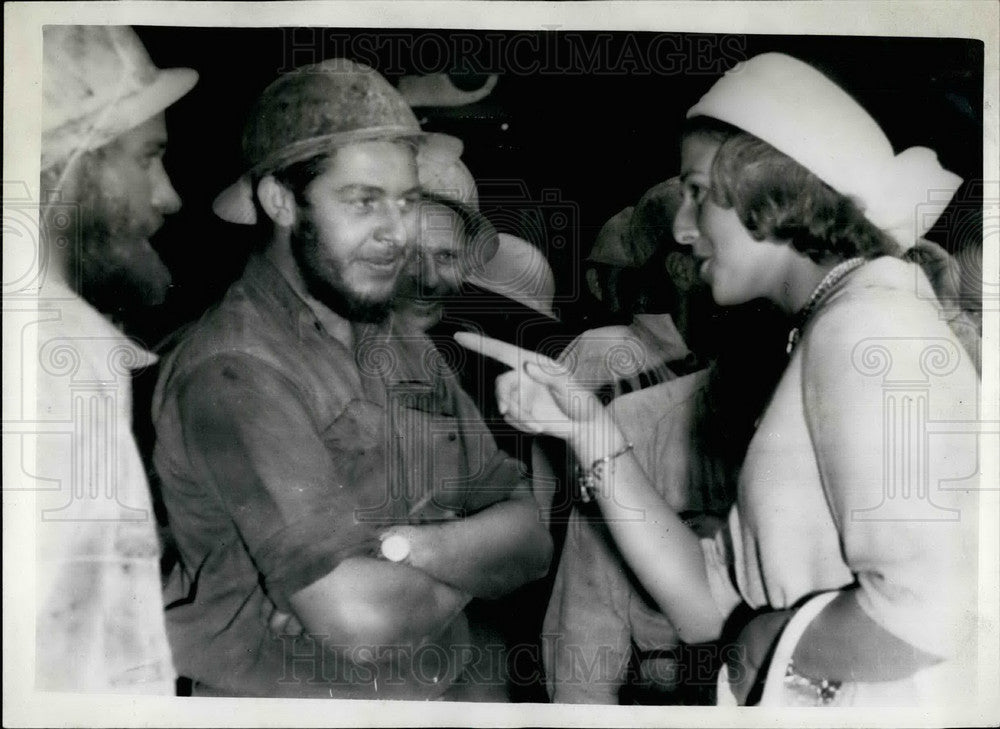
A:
{"x":488,"y":554}
{"x":252,"y":440}
{"x":371,"y":602}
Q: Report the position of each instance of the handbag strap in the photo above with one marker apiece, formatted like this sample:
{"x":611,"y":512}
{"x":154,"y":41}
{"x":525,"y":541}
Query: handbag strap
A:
{"x":789,"y":639}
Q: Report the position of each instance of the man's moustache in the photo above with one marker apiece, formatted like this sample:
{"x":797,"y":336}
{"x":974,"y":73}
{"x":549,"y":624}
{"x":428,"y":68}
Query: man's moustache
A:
{"x":421,"y":293}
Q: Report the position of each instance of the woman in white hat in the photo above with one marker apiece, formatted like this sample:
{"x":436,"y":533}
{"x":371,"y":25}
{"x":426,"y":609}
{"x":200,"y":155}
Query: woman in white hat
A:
{"x":854,"y":530}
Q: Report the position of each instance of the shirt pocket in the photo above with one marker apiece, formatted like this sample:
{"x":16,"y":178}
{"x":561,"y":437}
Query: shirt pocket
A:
{"x":357,"y":442}
{"x":426,"y":459}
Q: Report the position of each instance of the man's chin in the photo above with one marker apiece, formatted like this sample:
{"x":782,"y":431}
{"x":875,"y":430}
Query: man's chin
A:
{"x":419,"y":314}
{"x":356,"y":308}
{"x":369,"y":312}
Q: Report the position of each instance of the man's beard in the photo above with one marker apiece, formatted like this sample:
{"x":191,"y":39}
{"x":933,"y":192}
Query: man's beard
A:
{"x":324,"y":279}
{"x":111,"y":263}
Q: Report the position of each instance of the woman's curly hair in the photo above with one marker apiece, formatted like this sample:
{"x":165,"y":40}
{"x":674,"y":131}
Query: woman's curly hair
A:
{"x":777,"y":198}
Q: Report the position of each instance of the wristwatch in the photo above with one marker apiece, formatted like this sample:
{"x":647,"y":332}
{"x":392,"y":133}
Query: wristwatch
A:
{"x":395,"y":548}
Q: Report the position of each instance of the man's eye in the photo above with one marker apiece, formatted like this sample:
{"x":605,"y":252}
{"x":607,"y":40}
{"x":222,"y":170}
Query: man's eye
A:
{"x":364,"y":203}
{"x":150,"y":156}
{"x":409,"y":202}
{"x":447,"y":257}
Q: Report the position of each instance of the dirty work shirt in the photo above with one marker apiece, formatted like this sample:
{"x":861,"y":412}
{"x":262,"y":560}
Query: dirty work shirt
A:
{"x":323,"y":448}
{"x":99,"y":621}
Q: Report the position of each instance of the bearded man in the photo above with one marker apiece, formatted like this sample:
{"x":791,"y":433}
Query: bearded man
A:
{"x":99,"y":621}
{"x":311,"y":469}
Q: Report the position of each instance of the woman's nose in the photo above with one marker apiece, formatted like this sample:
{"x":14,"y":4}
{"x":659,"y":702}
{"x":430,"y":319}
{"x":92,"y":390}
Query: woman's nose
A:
{"x":686,"y":224}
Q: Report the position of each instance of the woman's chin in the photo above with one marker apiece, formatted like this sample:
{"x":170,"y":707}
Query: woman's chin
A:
{"x":726,"y":296}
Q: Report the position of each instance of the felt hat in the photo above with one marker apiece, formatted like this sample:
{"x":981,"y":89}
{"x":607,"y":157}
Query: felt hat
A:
{"x":97,"y":83}
{"x":630,"y":237}
{"x":611,"y":245}
{"x":652,"y":223}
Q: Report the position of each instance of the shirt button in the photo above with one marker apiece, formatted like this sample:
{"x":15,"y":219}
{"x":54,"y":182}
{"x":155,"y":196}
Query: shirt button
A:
{"x":452,"y":436}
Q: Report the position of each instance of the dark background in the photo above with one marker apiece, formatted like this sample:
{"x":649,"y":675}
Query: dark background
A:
{"x":578,"y":126}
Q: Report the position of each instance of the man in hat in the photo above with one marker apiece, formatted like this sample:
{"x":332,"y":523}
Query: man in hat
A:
{"x":99,"y":621}
{"x":455,"y":242}
{"x":463,"y":269}
{"x":311,"y":464}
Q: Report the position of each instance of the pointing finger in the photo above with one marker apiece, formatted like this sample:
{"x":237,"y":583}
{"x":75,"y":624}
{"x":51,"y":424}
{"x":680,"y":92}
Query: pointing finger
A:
{"x":509,"y":354}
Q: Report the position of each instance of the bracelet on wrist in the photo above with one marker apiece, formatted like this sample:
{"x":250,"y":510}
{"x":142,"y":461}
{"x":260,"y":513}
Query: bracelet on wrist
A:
{"x":591,"y":479}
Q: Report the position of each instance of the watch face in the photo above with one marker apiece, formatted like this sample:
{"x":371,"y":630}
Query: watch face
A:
{"x":395,"y":548}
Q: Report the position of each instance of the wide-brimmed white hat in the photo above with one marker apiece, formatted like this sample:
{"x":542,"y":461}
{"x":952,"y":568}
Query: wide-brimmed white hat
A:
{"x":802,"y":113}
{"x":97,"y":83}
{"x":521,"y":272}
{"x":500,"y":263}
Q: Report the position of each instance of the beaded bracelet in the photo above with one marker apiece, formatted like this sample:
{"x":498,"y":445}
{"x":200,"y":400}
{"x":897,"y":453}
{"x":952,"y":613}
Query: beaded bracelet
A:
{"x":823,"y":691}
{"x":591,"y":478}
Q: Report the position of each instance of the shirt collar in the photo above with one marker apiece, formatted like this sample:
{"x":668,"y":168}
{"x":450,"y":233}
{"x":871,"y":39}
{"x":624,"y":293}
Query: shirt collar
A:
{"x":265,"y":283}
{"x":383,"y":361}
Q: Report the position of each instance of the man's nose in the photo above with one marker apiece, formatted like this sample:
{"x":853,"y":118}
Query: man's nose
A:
{"x":394,"y":225}
{"x":165,"y":198}
{"x":430,"y":278}
{"x":686,"y":224}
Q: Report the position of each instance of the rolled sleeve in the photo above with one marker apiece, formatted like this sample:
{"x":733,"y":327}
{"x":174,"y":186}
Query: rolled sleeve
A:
{"x":252,"y":438}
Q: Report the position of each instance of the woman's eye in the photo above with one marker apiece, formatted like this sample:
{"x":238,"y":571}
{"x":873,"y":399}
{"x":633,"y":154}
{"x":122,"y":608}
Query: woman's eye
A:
{"x":695,"y":192}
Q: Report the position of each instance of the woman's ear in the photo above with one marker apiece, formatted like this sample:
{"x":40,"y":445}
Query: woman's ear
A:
{"x":277,"y":201}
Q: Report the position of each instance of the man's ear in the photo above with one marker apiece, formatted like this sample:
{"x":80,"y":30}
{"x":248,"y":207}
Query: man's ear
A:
{"x":278,"y":201}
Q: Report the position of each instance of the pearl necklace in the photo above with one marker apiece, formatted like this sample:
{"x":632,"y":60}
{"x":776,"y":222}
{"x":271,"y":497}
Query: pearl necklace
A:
{"x":834,"y":277}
